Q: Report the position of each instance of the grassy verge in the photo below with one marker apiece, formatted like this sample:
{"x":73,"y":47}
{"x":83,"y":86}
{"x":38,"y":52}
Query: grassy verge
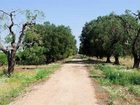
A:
{"x":122,"y":84}
{"x":14,"y":86}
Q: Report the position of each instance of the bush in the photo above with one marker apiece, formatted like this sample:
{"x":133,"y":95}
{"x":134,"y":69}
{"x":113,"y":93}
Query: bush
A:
{"x":31,"y":56}
{"x":3,"y":58}
{"x":47,"y":43}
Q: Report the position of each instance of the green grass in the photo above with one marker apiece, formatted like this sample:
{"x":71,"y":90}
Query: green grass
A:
{"x":135,"y":89}
{"x":122,"y":84}
{"x":121,"y":76}
{"x":16,"y":84}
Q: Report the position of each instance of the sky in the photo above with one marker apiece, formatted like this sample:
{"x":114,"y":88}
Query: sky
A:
{"x":73,"y":13}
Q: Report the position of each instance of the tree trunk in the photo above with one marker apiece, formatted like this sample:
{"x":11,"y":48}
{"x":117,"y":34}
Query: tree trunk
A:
{"x":11,"y":62}
{"x":116,"y":60}
{"x":136,"y":57}
{"x":136,"y":62}
{"x":108,"y":59}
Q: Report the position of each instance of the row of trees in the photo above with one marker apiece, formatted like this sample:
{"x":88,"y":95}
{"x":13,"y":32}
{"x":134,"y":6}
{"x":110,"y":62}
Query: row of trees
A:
{"x":46,"y":43}
{"x":112,"y":35}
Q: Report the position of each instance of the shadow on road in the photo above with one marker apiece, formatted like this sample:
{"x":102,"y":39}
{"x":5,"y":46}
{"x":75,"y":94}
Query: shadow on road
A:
{"x":81,"y":61}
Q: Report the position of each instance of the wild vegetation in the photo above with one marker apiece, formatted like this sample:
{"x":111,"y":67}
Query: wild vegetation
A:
{"x":39,"y":44}
{"x":47,"y":43}
{"x":114,"y":36}
{"x":26,"y":42}
{"x":122,"y":84}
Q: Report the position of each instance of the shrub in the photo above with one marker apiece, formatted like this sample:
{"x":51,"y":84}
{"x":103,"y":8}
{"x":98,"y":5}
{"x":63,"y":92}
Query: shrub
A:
{"x":3,"y":58}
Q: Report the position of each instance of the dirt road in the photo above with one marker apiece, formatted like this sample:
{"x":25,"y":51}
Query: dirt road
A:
{"x":69,"y":86}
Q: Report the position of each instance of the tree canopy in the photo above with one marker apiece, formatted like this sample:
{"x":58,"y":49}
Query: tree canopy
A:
{"x":112,"y":35}
{"x":47,"y":43}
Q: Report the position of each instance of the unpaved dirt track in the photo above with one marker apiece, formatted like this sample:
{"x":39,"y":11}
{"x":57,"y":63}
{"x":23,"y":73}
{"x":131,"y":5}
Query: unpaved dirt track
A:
{"x":69,"y":86}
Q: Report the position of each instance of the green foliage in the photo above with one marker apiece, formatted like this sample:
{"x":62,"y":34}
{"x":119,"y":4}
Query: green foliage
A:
{"x":111,"y":35}
{"x":103,"y":36}
{"x":47,"y":43}
{"x":121,"y":83}
{"x":122,"y":77}
{"x":3,"y":58}
{"x":8,"y":38}
{"x":41,"y":74}
{"x":60,"y":43}
{"x":33,"y":55}
{"x":118,"y":49}
{"x":135,"y":89}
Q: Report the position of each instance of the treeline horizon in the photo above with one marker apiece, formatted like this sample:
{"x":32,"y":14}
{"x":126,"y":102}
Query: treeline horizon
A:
{"x":112,"y":35}
{"x":43,"y":44}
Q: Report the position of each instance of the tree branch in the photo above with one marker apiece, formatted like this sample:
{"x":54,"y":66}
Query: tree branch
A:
{"x":5,"y":12}
{"x":22,"y":33}
{"x":11,"y":26}
{"x":4,"y":50}
{"x":11,"y":15}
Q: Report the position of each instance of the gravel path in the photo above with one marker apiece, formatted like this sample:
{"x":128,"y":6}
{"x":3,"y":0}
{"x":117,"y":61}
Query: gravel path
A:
{"x":69,"y":86}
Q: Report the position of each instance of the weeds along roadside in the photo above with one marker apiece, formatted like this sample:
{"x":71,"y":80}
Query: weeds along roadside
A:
{"x":17,"y":83}
{"x":122,"y":84}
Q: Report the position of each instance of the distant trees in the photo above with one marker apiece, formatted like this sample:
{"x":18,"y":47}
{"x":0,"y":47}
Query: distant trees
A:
{"x":112,"y":35}
{"x":47,"y":43}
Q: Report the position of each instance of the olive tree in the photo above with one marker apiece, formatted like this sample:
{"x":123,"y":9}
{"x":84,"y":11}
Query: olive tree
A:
{"x":132,"y":27}
{"x":13,"y":27}
{"x":103,"y":37}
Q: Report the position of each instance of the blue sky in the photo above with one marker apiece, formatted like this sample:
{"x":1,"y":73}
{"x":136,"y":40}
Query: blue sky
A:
{"x":73,"y":13}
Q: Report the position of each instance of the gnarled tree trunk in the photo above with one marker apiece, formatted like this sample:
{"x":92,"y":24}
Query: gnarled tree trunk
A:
{"x":11,"y":61}
{"x":135,"y":55}
{"x":116,"y":60}
{"x":136,"y":61}
{"x":108,"y":59}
